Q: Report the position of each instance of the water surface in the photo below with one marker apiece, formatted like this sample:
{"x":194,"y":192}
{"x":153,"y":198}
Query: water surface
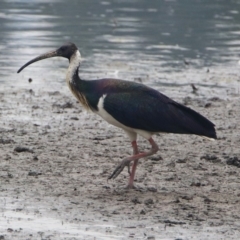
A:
{"x":162,"y":43}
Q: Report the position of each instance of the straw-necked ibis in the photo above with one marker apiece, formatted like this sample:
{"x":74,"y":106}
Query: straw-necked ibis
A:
{"x":134,"y":107}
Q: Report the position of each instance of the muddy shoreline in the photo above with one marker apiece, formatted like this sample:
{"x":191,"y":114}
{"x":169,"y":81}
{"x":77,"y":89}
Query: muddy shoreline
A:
{"x":55,"y":160}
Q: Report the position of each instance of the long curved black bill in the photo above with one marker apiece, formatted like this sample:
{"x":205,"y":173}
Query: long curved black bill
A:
{"x":41,"y":57}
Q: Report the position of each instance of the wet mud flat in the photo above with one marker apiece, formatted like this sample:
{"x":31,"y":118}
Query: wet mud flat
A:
{"x":55,"y":160}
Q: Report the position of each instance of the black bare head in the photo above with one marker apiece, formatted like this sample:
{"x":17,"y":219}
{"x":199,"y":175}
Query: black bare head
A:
{"x":66,"y":51}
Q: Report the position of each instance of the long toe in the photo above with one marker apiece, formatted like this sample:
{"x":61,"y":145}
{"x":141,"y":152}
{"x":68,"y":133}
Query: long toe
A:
{"x":116,"y":172}
{"x":125,"y":162}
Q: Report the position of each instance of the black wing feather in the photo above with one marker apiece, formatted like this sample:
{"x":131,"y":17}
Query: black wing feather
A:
{"x":149,"y":110}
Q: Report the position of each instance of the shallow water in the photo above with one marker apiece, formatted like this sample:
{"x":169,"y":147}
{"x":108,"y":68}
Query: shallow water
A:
{"x":33,"y":224}
{"x":155,"y":41}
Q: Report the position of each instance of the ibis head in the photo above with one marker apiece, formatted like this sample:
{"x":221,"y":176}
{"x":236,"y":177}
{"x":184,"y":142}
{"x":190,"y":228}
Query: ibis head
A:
{"x":66,"y":51}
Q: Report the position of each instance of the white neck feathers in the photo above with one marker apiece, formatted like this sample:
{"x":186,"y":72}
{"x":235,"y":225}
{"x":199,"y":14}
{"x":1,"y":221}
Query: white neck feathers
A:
{"x":73,"y":65}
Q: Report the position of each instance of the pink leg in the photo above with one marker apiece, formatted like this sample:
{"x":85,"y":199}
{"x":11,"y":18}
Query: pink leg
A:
{"x":134,"y":166}
{"x":134,"y":158}
{"x":135,"y":147}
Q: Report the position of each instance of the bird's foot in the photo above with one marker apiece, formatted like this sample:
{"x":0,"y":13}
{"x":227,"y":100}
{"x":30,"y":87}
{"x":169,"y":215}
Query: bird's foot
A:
{"x":125,"y":162}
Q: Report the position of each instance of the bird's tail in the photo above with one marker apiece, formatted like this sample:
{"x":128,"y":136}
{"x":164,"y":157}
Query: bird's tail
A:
{"x":195,"y":123}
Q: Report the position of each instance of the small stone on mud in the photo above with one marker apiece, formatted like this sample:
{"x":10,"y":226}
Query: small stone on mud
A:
{"x":148,"y":201}
{"x":187,"y":101}
{"x":55,"y":93}
{"x":174,"y":222}
{"x":195,"y":184}
{"x":233,"y":161}
{"x":67,"y":105}
{"x":211,"y":158}
{"x":207,"y":200}
{"x":74,"y":118}
{"x":63,"y":106}
{"x":34,"y":173}
{"x":35,"y":107}
{"x":131,"y":235}
{"x":215,"y":99}
{"x":151,"y":238}
{"x":121,"y":199}
{"x":22,"y":149}
{"x":187,"y":197}
{"x":207,"y":105}
{"x":152,"y":189}
{"x":5,"y":141}
{"x":181,"y":160}
{"x":143,"y":212}
{"x":10,"y":175}
{"x":115,"y":212}
{"x":136,"y":200}
{"x":156,"y":158}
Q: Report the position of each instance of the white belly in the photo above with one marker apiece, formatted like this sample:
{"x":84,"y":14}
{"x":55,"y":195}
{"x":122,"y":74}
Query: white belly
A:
{"x":107,"y":117}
